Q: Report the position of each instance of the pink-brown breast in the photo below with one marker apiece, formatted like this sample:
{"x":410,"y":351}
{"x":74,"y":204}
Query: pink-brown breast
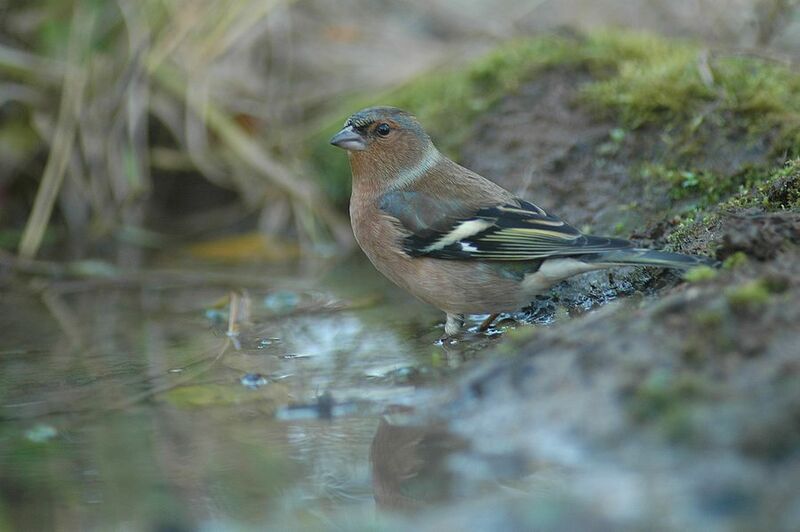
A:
{"x":458,"y":287}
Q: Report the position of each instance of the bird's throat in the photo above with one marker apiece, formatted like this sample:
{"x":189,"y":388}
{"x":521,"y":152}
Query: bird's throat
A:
{"x":375,"y":174}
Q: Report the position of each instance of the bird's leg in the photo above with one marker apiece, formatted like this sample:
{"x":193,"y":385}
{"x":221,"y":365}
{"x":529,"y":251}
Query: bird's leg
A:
{"x":485,"y":324}
{"x":453,"y":324}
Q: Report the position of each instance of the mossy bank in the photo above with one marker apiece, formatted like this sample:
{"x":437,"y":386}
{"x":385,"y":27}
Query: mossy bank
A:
{"x":684,"y":94}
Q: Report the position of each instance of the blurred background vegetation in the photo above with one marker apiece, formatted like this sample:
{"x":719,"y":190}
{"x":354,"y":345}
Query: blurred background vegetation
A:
{"x":135,"y":124}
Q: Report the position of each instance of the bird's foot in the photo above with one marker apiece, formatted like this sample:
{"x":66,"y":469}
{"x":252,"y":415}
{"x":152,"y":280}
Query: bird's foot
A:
{"x":454,"y":328}
{"x":453,"y":324}
{"x":485,"y":324}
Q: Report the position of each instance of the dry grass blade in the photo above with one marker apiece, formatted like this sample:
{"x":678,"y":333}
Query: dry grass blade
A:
{"x":64,"y":137}
{"x":130,"y":62}
{"x":65,"y":317}
{"x":250,"y":152}
{"x":32,"y":65}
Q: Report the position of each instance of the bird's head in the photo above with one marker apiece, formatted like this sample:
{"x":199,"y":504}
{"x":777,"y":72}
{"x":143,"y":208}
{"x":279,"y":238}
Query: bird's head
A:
{"x":385,"y":142}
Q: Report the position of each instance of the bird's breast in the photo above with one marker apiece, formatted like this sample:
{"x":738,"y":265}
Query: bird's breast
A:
{"x":455,"y":286}
{"x":380,"y":239}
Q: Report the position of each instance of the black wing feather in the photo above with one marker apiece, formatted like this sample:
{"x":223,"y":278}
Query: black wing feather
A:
{"x":510,"y":232}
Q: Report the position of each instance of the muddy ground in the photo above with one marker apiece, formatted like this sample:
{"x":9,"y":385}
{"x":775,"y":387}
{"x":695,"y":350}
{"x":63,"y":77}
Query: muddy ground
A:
{"x":676,"y":405}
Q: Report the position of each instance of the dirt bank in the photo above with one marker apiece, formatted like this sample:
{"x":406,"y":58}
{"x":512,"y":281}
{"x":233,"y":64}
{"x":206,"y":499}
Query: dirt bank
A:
{"x":680,"y":406}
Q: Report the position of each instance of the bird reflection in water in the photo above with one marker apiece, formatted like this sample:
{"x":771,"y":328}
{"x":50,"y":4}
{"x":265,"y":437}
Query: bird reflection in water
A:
{"x":410,"y":462}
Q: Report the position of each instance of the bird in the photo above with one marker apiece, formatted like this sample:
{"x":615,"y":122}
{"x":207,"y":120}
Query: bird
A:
{"x":453,"y":238}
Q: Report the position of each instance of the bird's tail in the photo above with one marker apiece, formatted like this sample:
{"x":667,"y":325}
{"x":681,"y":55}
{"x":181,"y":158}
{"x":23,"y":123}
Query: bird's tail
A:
{"x":649,"y":257}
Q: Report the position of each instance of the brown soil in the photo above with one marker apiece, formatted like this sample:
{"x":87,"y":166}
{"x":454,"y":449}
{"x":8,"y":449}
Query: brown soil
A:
{"x":543,"y":144}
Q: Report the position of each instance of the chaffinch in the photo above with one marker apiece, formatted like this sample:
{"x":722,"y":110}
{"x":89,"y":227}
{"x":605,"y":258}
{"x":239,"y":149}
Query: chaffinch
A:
{"x":453,"y":238}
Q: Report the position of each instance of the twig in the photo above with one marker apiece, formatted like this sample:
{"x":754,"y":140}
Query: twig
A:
{"x":64,"y":317}
{"x":704,"y":69}
{"x":94,"y":275}
{"x":239,"y":311}
{"x":156,"y":390}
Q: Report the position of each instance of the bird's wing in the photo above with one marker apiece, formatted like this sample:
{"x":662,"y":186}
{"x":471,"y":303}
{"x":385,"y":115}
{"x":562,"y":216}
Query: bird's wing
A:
{"x":506,"y":232}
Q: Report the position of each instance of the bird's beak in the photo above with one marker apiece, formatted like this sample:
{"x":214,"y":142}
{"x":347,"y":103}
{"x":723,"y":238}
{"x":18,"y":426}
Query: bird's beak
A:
{"x":349,"y":139}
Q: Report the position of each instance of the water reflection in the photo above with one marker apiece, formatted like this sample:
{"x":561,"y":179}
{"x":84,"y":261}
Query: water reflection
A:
{"x":409,"y":463}
{"x":129,"y":406}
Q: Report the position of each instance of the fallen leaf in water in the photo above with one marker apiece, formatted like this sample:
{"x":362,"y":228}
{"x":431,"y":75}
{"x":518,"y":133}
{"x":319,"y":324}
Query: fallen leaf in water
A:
{"x":247,"y":247}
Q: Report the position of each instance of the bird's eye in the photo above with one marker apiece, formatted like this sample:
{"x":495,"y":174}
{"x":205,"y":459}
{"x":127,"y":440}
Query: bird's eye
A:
{"x":383,"y":129}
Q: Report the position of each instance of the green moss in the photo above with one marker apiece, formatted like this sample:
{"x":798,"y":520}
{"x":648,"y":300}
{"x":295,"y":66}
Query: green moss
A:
{"x":710,"y":317}
{"x":688,"y":183}
{"x":694,"y":99}
{"x":781,"y":189}
{"x":649,"y":87}
{"x":770,"y":190}
{"x":677,"y":81}
{"x":748,"y":296}
{"x":734,"y":261}
{"x":666,"y":401}
{"x":777,"y":283}
{"x":754,"y":87}
{"x":689,"y":225}
{"x":700,"y":273}
{"x":710,"y":333}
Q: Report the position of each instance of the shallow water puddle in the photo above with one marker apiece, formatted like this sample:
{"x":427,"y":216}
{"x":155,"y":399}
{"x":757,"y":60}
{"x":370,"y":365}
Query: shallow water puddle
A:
{"x":289,"y":402}
{"x":112,"y":394}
